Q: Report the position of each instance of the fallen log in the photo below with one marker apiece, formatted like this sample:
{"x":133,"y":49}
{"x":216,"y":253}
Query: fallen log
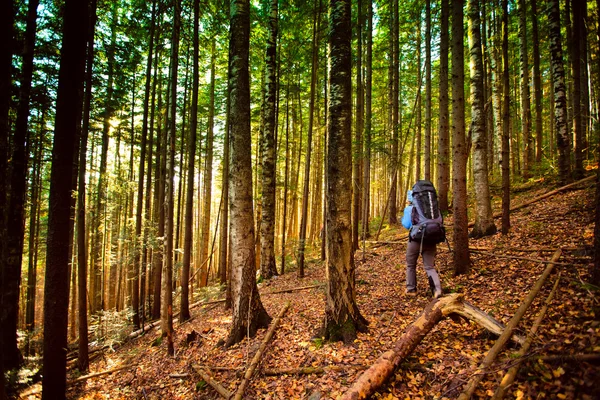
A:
{"x":510,"y":375}
{"x":259,"y":353}
{"x":385,"y":365}
{"x":592,"y":357}
{"x":205,"y":375}
{"x":510,"y":327}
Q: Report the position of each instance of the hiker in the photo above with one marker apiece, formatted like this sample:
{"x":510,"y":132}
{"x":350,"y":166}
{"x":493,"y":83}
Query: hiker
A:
{"x":423,"y":219}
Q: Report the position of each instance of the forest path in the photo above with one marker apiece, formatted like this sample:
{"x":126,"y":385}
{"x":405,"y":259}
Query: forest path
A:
{"x":440,"y":365}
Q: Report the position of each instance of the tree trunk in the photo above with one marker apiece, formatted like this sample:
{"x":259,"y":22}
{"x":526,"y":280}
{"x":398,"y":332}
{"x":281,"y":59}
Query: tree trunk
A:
{"x":461,"y":256}
{"x":15,"y":214}
{"x":537,"y":82}
{"x":248,"y":313}
{"x":560,"y":100}
{"x":184,"y":313}
{"x":484,"y":222}
{"x":366,"y":179}
{"x":443,"y":181}
{"x":357,"y":145}
{"x":166,"y":309}
{"x":525,"y":94}
{"x":505,"y":124}
{"x":68,"y":117}
{"x":268,"y":267}
{"x":427,"y":149}
{"x":394,"y":97}
{"x":136,"y":265}
{"x":418,"y":119}
{"x":207,"y":194}
{"x":576,"y":56}
{"x":307,"y":162}
{"x":342,"y":317}
{"x":595,"y":268}
{"x":224,"y":232}
{"x":286,"y":178}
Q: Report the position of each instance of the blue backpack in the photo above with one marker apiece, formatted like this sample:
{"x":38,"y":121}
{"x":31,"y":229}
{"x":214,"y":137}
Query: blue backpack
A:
{"x":426,"y":218}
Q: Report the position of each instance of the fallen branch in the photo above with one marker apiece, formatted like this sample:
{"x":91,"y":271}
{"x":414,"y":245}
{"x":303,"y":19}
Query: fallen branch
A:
{"x":570,"y":357}
{"x":296,"y":289}
{"x":259,"y":353}
{"x":385,"y":365}
{"x":512,"y":324}
{"x":311,"y":370}
{"x":205,"y":375}
{"x":478,"y":316}
{"x":510,"y":375}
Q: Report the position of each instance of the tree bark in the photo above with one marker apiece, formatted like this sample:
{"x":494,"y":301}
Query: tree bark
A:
{"x":268,"y":267}
{"x":366,"y":180}
{"x":461,"y":256}
{"x":68,"y":117}
{"x":525,"y":93}
{"x":443,"y":173}
{"x":394,"y":106}
{"x":342,"y":317}
{"x":537,"y":82}
{"x":505,"y":123}
{"x":427,"y":147}
{"x":576,"y":57}
{"x":560,"y":98}
{"x":285,"y":178}
{"x":166,"y":309}
{"x":358,"y":131}
{"x":248,"y":313}
{"x":484,"y":222}
{"x":224,"y":232}
{"x":595,"y":268}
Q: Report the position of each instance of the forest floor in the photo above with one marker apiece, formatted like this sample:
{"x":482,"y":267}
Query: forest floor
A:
{"x":445,"y":360}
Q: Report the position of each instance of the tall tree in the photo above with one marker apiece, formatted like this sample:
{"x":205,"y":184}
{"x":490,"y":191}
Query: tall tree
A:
{"x":484,"y":221}
{"x":443,"y":161}
{"x":427,"y":149}
{"x":224,"y":231}
{"x":395,"y":48}
{"x":307,"y":162}
{"x":68,"y":118}
{"x":136,"y":265}
{"x":505,"y":123}
{"x":525,"y":93}
{"x":7,"y":10}
{"x":166,"y":309}
{"x":595,"y":268}
{"x":576,"y":58}
{"x":342,"y":317}
{"x":461,"y":256}
{"x":358,"y":131}
{"x":560,"y":95}
{"x":82,"y":299}
{"x":366,"y":181}
{"x":268,"y":267}
{"x":537,"y":82}
{"x":16,"y":200}
{"x":248,"y":313}
{"x":184,"y":313}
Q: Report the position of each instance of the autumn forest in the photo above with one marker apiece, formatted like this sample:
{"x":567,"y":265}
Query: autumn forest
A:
{"x":160,"y":156}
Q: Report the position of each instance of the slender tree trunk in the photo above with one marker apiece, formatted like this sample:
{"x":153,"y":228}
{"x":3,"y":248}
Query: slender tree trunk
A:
{"x":366,"y":180}
{"x":357,"y":145}
{"x":443,"y":173}
{"x":576,"y":55}
{"x":537,"y":82}
{"x":595,"y":268}
{"x":184,"y":313}
{"x":418,"y":119}
{"x":68,"y":117}
{"x":525,"y":94}
{"x":16,"y":200}
{"x":224,"y":232}
{"x":461,"y":257}
{"x":342,"y":317}
{"x":307,"y":162}
{"x":207,"y":195}
{"x":484,"y":221}
{"x":286,"y":178}
{"x":427,"y":149}
{"x":248,"y":313}
{"x":268,"y":266}
{"x":166,"y":309}
{"x":505,"y":123}
{"x":394,"y":94}
{"x":560,"y":100}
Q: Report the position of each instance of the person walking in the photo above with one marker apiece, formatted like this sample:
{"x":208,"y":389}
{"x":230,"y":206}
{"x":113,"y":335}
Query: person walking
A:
{"x":424,"y":221}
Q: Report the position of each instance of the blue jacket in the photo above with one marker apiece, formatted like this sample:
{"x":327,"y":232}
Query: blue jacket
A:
{"x":406,"y":218}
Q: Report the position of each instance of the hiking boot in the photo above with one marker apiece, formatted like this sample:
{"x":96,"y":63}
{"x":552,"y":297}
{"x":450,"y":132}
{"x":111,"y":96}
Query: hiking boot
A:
{"x":437,"y":294}
{"x":411,"y":293}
